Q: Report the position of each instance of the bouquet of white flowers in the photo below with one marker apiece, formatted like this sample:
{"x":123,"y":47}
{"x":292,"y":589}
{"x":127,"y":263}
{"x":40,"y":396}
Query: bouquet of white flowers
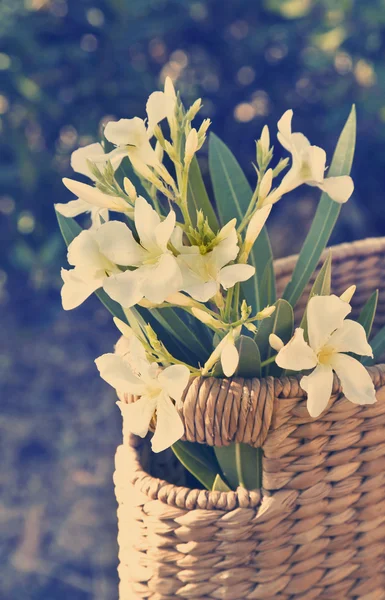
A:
{"x":190,"y":281}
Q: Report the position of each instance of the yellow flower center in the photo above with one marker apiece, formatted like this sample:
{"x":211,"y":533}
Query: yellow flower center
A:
{"x":325,"y":354}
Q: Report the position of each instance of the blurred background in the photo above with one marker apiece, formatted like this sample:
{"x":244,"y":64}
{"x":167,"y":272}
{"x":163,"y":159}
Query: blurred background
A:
{"x":66,"y":67}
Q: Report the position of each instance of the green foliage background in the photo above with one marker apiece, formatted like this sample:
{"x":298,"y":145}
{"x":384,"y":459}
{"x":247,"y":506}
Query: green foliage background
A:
{"x":66,"y":66}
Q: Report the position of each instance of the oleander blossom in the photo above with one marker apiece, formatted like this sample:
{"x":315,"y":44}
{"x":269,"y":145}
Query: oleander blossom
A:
{"x":131,"y":137}
{"x":308,"y":166}
{"x":330,"y":337}
{"x":129,"y":371}
{"x":95,"y":256}
{"x":89,"y":198}
{"x":204,"y":274}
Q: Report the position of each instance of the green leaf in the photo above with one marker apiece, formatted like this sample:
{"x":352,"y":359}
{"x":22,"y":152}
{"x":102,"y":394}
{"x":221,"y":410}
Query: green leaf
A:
{"x":366,"y":318}
{"x":197,"y":197}
{"x":321,"y":287}
{"x":368,"y":312}
{"x":219,"y":485}
{"x":281,"y":323}
{"x":378,"y":347}
{"x":171,"y":323}
{"x":268,"y":283}
{"x":240,"y":463}
{"x":232,"y":195}
{"x":325,"y":217}
{"x":199,"y":460}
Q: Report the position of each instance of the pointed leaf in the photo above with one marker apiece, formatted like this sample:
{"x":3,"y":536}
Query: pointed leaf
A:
{"x":378,"y":347}
{"x":199,"y":460}
{"x":325,"y":217}
{"x":232,"y":195}
{"x":368,"y":312}
{"x":321,"y":287}
{"x":240,"y":462}
{"x":197,"y":197}
{"x":281,"y":323}
{"x":219,"y":485}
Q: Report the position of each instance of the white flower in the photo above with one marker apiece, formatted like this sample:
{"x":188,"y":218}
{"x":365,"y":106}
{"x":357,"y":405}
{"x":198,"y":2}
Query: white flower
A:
{"x":132,"y":136}
{"x":203,"y":274}
{"x":330,"y":336}
{"x":226,"y":352}
{"x":157,"y":273}
{"x":132,"y":373}
{"x":308,"y":166}
{"x":96,"y":254}
{"x":90,"y":199}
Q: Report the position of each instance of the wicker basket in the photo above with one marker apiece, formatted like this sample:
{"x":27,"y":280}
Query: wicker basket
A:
{"x":315,"y":531}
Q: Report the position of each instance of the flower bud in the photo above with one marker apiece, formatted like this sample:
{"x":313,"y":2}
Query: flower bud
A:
{"x":275,"y":342}
{"x":348,"y":294}
{"x":130,"y":190}
{"x":206,"y":318}
{"x":169,"y":89}
{"x":193,"y":110}
{"x":265,"y":139}
{"x":124,"y":329}
{"x":191,"y":146}
{"x":251,"y":327}
{"x":266,"y":183}
{"x":181,"y":300}
{"x":255,"y":227}
{"x":265,"y":313}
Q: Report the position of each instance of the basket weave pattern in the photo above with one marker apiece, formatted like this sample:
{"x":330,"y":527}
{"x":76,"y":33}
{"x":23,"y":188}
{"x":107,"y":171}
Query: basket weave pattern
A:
{"x":315,"y":531}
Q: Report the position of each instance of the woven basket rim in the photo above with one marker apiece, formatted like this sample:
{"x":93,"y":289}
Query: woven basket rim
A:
{"x":190,"y":499}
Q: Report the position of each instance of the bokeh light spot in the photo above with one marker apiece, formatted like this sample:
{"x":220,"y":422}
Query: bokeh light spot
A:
{"x":26,"y":222}
{"x":244,"y":112}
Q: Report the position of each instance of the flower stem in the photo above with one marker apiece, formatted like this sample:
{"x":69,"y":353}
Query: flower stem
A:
{"x":268,"y":361}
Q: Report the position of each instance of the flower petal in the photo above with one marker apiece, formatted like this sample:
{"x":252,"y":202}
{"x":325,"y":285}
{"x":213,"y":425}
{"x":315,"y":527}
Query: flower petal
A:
{"x":356,"y":382}
{"x":174,"y":381}
{"x":227,"y":250}
{"x":73,"y":208}
{"x":84,"y":251}
{"x":159,"y":106}
{"x":137,"y":415}
{"x":146,"y":222}
{"x":117,"y":372}
{"x":126,"y":132}
{"x":169,"y":426}
{"x":284,"y":130}
{"x":299,"y":142}
{"x":202,"y":291}
{"x":92,"y":152}
{"x":164,"y":230}
{"x":162,"y":279}
{"x":229,"y":276}
{"x":98,"y":216}
{"x":125,"y":288}
{"x":351,"y":337}
{"x":75,"y":289}
{"x":318,"y":386}
{"x":117,"y":243}
{"x":325,"y":314}
{"x":338,"y":188}
{"x":296,"y":355}
{"x":315,"y":158}
{"x":95,"y":197}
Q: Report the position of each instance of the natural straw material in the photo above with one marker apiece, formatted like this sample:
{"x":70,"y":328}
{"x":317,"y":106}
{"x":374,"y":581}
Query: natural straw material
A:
{"x":315,"y":531}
